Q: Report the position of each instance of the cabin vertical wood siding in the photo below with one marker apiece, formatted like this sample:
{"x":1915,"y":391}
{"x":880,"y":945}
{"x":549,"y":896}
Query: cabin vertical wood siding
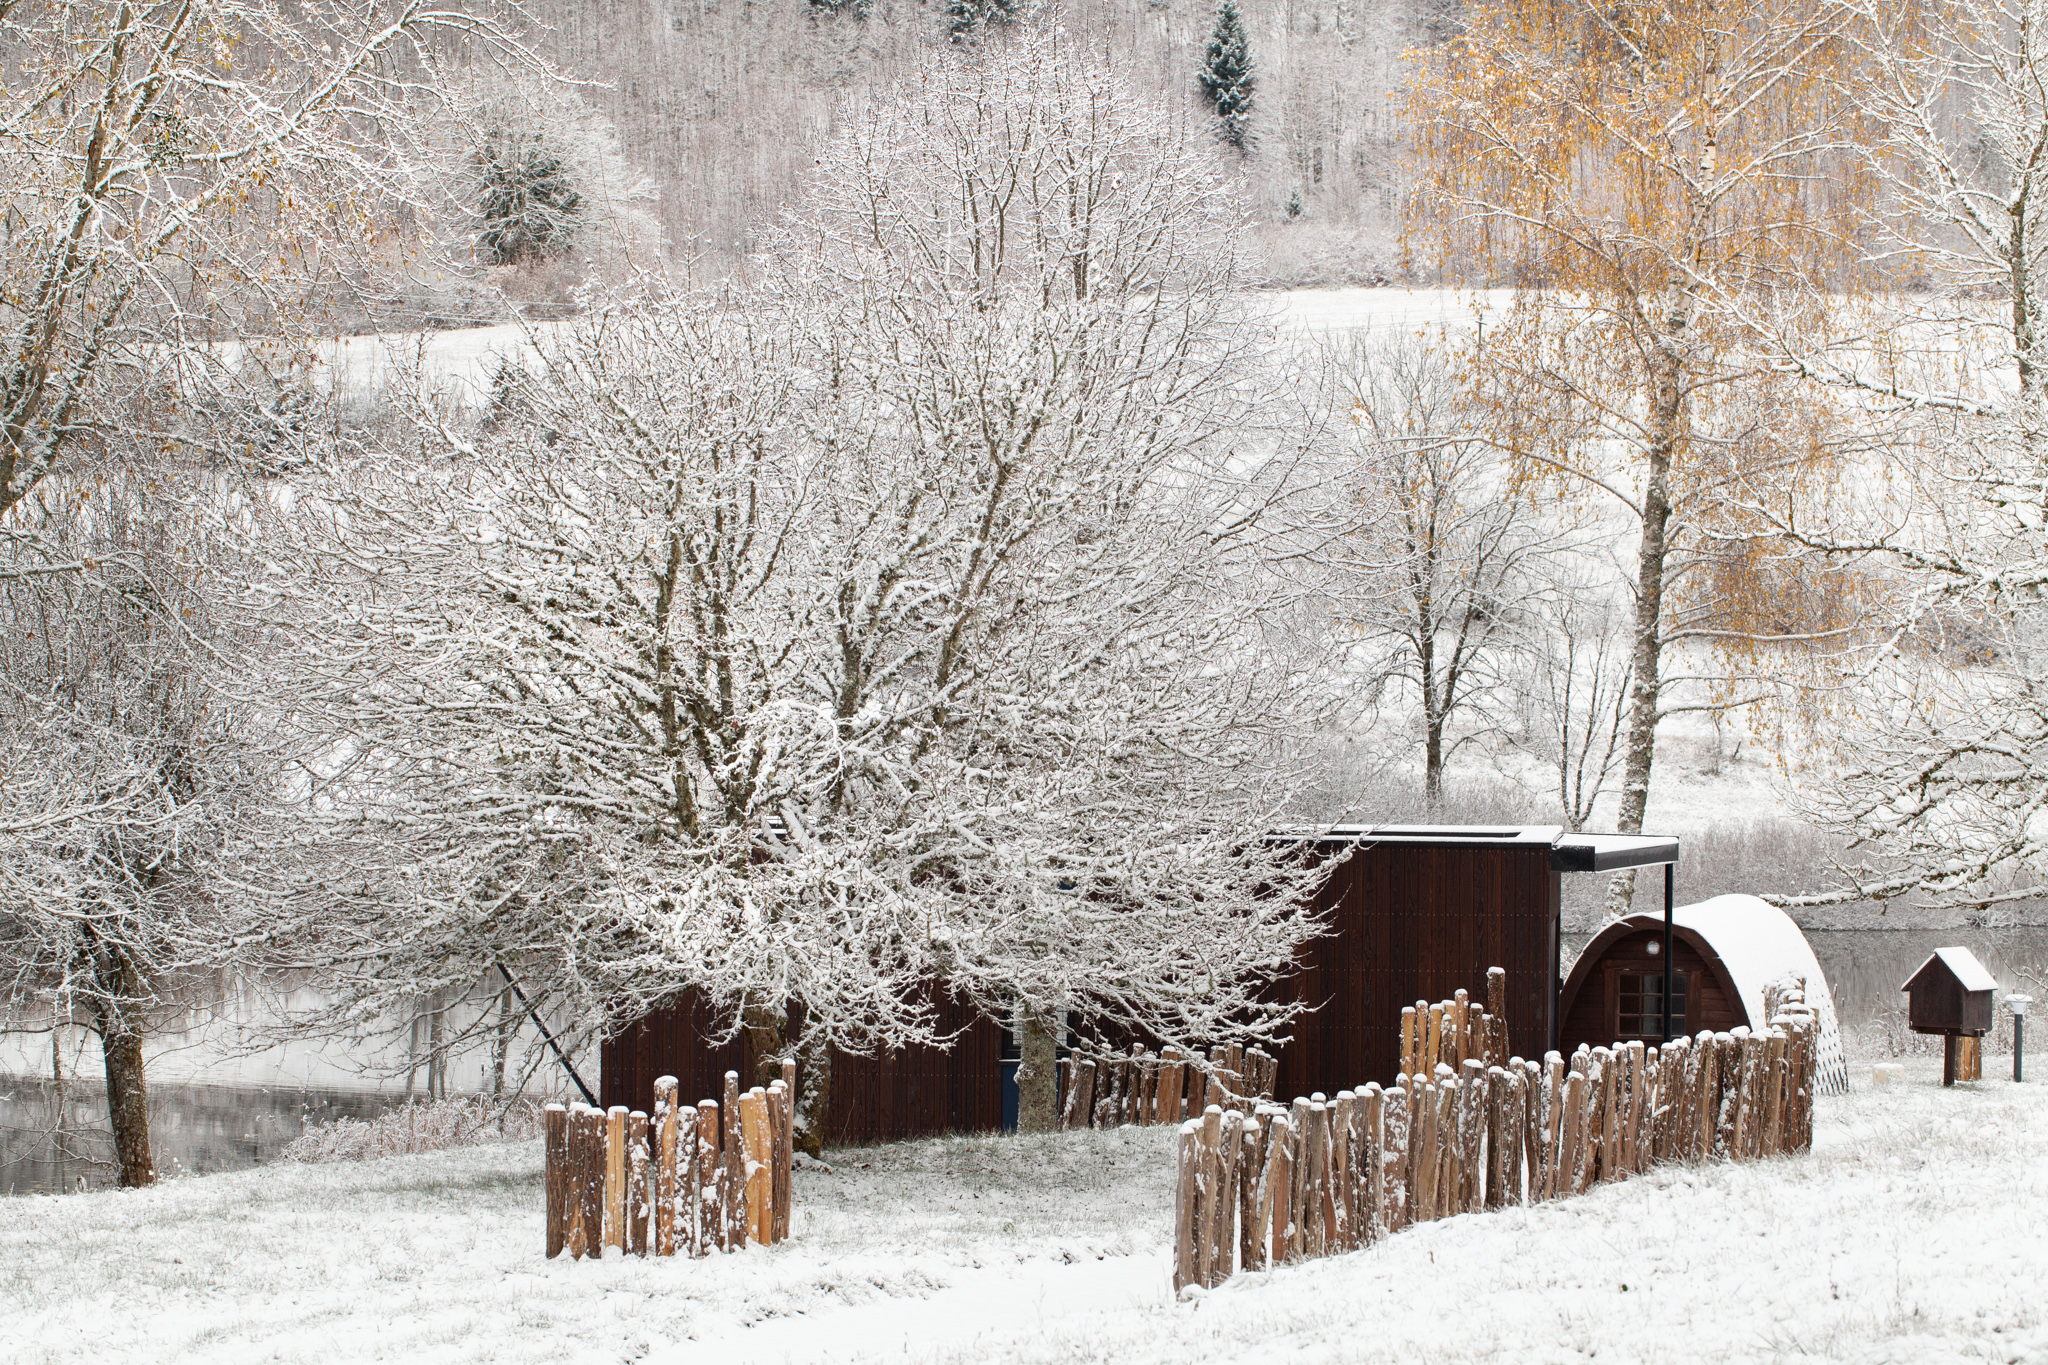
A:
{"x":1415,"y":921}
{"x":910,"y":1092}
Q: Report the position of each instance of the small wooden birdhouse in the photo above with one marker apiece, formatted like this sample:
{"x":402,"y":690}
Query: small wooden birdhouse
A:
{"x":1951,"y":995}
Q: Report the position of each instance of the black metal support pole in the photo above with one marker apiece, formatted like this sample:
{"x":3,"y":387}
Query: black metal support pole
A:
{"x":2019,"y":1045}
{"x":1670,"y":877}
{"x":560,"y":1055}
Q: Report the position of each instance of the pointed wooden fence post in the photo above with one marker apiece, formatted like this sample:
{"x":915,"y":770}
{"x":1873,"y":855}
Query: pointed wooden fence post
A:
{"x":637,"y":1203}
{"x":1186,"y":1205}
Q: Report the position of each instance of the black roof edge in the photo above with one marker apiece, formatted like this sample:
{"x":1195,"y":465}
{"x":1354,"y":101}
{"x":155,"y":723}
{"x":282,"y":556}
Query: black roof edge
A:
{"x":1568,"y":852}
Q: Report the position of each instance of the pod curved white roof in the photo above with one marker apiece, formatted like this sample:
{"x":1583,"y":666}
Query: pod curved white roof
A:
{"x":1760,"y":945}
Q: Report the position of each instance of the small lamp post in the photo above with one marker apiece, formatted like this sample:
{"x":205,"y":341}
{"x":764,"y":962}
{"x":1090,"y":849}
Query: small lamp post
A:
{"x":2018,"y":1005}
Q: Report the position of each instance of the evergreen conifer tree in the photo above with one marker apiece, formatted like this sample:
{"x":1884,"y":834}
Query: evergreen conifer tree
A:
{"x":529,"y":207}
{"x":965,"y":18}
{"x":1227,"y":79}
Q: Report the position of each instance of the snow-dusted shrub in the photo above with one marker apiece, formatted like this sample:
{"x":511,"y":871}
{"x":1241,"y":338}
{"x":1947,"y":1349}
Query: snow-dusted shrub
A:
{"x":465,"y":1121}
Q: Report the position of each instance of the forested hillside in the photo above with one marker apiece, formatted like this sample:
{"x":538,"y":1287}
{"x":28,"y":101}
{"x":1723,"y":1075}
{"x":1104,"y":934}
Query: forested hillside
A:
{"x":724,"y":102}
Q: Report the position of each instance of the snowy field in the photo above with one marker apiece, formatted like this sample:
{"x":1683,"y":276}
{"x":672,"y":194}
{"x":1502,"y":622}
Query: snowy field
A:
{"x":1914,"y":1232}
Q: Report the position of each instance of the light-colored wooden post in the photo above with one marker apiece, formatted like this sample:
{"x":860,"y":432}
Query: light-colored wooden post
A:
{"x":1468,"y":1178}
{"x":586,"y":1182}
{"x":1223,"y":1237}
{"x":636,"y":1204}
{"x":1343,"y":1196}
{"x":1148,"y":1090}
{"x":1081,"y":1098}
{"x":615,"y":1177}
{"x":1742,"y":1117}
{"x":1186,"y":1205}
{"x":1409,"y":1036}
{"x":1496,"y":1136}
{"x":1531,"y":1183}
{"x":1573,"y":1145}
{"x":1609,"y":1150}
{"x":1371,"y":1109}
{"x":1166,"y":1094}
{"x":1555,"y":1182}
{"x":1208,"y":1161}
{"x":708,"y":1194}
{"x":1251,"y":1240}
{"x":1514,"y":1130}
{"x":554,"y":1128}
{"x":1430,"y":1156}
{"x":1432,"y":1043}
{"x":755,"y":1172}
{"x":1772,"y":1139}
{"x":1300,"y":1138}
{"x":1276,"y":1214}
{"x":778,"y":1165}
{"x":667,"y":1129}
{"x":1704,"y":1101}
{"x":1316,"y":1204}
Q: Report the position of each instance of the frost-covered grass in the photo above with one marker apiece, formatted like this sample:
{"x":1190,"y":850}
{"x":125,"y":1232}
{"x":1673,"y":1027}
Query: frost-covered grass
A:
{"x":431,"y":1126}
{"x":1912,"y":1233}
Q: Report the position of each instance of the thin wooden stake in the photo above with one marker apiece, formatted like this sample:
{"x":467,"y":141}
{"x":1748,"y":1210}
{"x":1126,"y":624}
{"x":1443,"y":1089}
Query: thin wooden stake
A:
{"x":666,"y":1132}
{"x":1186,"y":1205}
{"x":1223,"y":1236}
{"x":615,"y":1177}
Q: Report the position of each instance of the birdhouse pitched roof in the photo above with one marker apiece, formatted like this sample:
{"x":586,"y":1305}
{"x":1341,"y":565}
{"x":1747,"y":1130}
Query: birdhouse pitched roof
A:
{"x":1962,"y":964}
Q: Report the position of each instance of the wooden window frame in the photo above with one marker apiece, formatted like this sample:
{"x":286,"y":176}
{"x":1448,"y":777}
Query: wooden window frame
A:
{"x":1616,"y":970}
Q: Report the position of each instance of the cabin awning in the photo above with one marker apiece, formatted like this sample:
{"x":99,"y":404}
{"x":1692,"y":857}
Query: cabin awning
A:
{"x":1611,"y":852}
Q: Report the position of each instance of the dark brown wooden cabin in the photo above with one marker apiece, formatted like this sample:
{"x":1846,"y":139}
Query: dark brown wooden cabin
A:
{"x":1950,"y":994}
{"x":1415,"y":912}
{"x":910,"y":1092}
{"x":1615,"y":990}
{"x":1418,"y":912}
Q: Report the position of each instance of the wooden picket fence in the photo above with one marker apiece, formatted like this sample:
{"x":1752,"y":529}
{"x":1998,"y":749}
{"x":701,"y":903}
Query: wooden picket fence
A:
{"x":1163,"y":1087}
{"x":688,"y":1180}
{"x":1321,"y":1176}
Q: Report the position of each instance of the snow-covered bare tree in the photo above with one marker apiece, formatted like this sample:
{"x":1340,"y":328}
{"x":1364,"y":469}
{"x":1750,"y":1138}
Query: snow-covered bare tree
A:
{"x":1458,"y":524}
{"x":174,"y":176}
{"x":890,"y":628}
{"x":1646,"y":173}
{"x":1572,"y":686}
{"x":1941,"y":770}
{"x":136,"y":779}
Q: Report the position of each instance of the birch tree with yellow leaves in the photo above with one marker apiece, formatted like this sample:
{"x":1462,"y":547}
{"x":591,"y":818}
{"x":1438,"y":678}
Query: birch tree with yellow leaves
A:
{"x":1652,"y":179}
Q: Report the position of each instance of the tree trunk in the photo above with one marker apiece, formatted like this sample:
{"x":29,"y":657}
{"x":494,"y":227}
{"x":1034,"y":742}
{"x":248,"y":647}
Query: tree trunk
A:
{"x":765,"y":1029}
{"x":814,"y":1094}
{"x":501,"y":1044}
{"x":1669,"y":414}
{"x":1038,"y":1074}
{"x":120,"y":1034}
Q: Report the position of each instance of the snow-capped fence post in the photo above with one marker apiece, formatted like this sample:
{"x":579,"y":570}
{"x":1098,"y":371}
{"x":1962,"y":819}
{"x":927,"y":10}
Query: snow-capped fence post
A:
{"x":782,"y":1110}
{"x":1148,"y":1090}
{"x":615,"y":1178}
{"x":1608,"y":1126}
{"x":732,"y":1202}
{"x":1471,"y":1135}
{"x":586,"y":1161}
{"x":1496,"y":1136}
{"x":1251,"y":1164}
{"x":666,"y":1129}
{"x":756,"y":1166}
{"x":1187,"y":1160}
{"x":1497,"y":1010}
{"x":710,"y":1180}
{"x":1080,"y":1096}
{"x":554,"y":1124}
{"x":1276,"y":1202}
{"x":1223,"y":1234}
{"x":636,"y":1183}
{"x":1447,"y":1143}
{"x":1208,"y":1177}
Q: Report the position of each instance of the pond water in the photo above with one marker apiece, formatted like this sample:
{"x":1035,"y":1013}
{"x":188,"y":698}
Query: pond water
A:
{"x":51,"y":1141}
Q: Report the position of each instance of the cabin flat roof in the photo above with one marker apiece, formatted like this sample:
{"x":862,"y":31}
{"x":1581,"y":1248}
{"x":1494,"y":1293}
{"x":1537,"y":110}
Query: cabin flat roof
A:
{"x":1568,"y":852}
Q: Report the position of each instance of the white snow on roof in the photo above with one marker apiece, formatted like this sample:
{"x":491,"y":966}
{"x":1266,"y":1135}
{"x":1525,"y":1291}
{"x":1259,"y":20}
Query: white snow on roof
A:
{"x":1759,"y":944}
{"x":1968,"y":970}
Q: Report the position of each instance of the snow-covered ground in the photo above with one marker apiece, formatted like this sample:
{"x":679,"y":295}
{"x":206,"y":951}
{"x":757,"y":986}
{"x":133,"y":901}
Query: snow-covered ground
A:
{"x":1913,"y":1232}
